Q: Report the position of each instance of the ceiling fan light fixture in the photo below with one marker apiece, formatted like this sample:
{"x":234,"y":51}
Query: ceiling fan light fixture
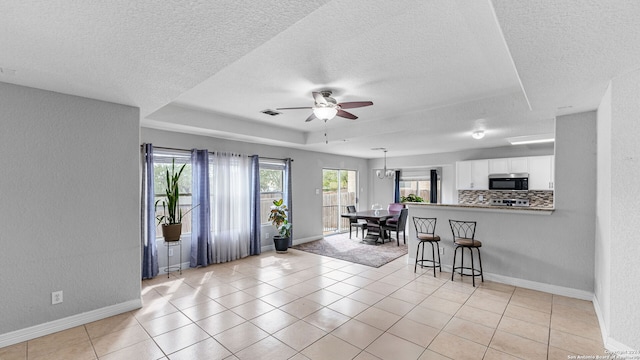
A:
{"x":325,"y":113}
{"x":478,"y":134}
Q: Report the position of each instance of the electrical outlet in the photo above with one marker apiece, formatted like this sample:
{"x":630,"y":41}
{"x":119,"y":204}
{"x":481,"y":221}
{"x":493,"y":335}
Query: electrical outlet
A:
{"x":266,"y":235}
{"x":170,"y":252}
{"x":56,"y":297}
{"x":441,"y":251}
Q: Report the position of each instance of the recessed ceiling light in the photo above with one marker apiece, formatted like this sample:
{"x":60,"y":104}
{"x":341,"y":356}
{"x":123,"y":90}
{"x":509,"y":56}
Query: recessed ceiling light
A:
{"x":478,"y":134}
{"x":531,"y":139}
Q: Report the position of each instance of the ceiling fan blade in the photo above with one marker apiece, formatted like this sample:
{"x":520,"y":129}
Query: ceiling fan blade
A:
{"x":355,"y":104}
{"x":346,"y":115}
{"x":295,"y":108}
{"x":311,"y":117}
{"x":319,"y":98}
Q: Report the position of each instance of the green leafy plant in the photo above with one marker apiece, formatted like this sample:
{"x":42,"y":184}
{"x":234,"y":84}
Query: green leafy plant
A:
{"x":171,"y":212}
{"x":278,"y":218}
{"x":411,"y":198}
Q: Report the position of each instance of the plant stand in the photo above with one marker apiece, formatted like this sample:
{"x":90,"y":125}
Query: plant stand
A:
{"x":170,"y":245}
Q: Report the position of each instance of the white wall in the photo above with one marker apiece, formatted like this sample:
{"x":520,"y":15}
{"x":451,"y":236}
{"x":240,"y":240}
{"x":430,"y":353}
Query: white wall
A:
{"x":69,"y":215}
{"x":602,"y":284}
{"x":619,"y":227}
{"x":306,"y":175}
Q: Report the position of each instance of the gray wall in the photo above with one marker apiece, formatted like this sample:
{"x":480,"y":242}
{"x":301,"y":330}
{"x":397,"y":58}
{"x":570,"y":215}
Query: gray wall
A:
{"x":556,"y":249}
{"x":70,"y":200}
{"x":617,"y":286}
{"x":306,"y":175}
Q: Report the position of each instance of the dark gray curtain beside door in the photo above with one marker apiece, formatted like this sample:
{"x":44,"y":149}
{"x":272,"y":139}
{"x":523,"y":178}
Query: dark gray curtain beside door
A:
{"x":147,"y":216}
{"x":396,"y":187}
{"x":254,"y":235}
{"x":433,"y":191}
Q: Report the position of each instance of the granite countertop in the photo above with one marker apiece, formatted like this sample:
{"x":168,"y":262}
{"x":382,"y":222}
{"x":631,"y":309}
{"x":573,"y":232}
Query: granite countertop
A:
{"x":545,"y":210}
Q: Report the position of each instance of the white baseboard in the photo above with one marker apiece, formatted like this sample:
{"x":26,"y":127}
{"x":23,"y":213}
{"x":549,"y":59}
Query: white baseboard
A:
{"x":51,"y":327}
{"x":271,"y":247}
{"x":611,"y":344}
{"x":528,"y":284}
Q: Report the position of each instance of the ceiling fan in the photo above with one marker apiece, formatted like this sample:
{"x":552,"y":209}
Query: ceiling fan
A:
{"x":326,"y":107}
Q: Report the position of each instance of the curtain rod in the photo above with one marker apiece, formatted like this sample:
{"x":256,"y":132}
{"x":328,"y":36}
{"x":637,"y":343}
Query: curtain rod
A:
{"x":270,"y":158}
{"x":177,"y":149}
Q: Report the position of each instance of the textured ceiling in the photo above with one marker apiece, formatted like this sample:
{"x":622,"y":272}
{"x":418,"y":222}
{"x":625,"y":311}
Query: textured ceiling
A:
{"x":436,"y":70}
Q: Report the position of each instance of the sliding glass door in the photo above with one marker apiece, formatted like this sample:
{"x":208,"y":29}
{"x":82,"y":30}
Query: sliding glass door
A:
{"x":339,"y":190}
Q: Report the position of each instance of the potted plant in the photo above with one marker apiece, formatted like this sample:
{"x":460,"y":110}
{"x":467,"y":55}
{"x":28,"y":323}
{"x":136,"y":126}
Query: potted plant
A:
{"x":411,"y":198}
{"x":278,"y":218}
{"x":171,"y":217}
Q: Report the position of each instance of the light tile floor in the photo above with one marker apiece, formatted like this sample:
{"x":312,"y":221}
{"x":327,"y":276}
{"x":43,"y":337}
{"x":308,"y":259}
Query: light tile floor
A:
{"x":304,"y":306}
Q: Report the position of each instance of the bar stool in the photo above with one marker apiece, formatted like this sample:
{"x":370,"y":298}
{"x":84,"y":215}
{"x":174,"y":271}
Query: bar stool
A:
{"x":464,"y":237}
{"x":425,"y":233}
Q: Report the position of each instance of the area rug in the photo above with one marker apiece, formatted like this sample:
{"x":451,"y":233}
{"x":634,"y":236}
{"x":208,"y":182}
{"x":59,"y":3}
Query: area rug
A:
{"x":353,"y":250}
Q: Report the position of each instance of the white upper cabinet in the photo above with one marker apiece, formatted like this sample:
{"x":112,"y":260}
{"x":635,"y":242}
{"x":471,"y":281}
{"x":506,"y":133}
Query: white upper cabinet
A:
{"x":472,"y":175}
{"x":509,"y":165}
{"x":498,"y":166}
{"x":542,"y":173}
{"x":519,"y":165}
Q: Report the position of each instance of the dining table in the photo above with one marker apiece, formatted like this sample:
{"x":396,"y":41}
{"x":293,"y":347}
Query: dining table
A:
{"x":375,"y":219}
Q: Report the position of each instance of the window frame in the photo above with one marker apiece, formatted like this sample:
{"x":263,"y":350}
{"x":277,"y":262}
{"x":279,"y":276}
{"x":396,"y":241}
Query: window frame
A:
{"x":270,"y":164}
{"x":185,"y":158}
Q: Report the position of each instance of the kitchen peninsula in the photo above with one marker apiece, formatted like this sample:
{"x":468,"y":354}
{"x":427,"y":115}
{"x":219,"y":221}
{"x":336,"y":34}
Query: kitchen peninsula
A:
{"x":489,"y":208}
{"x":520,"y":245}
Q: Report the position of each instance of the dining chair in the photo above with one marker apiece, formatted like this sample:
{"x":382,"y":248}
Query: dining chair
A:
{"x":398,"y":226}
{"x":358,"y":224}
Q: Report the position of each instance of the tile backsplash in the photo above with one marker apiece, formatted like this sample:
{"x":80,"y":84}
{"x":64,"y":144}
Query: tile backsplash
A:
{"x":537,"y":198}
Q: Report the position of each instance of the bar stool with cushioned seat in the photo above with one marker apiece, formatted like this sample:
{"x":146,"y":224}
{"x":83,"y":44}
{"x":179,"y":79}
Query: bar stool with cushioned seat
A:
{"x":464,"y":237}
{"x":425,"y":232}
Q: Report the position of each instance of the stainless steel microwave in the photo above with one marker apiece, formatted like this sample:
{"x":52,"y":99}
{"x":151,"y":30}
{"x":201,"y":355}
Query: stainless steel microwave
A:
{"x":509,"y":181}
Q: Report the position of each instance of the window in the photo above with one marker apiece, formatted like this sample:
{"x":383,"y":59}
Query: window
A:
{"x":162,"y":161}
{"x":418,"y":182}
{"x":271,"y":186}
